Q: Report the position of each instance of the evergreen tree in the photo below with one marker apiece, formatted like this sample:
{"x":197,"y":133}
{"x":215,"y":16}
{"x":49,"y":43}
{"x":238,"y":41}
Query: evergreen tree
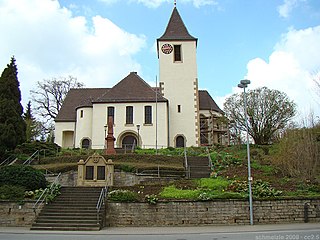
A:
{"x":12,"y":125}
{"x":31,"y":124}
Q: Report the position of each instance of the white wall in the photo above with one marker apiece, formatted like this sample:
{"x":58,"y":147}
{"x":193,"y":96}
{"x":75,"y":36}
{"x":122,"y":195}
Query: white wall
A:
{"x":181,"y":88}
{"x":83,"y":125}
{"x":147,"y":132}
{"x":61,"y":127}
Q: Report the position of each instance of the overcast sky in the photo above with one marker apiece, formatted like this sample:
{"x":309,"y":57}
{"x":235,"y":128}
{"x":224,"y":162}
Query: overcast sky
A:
{"x":274,"y":43}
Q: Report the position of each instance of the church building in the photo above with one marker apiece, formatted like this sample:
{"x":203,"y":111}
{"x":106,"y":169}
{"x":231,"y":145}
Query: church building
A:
{"x":174,"y":114}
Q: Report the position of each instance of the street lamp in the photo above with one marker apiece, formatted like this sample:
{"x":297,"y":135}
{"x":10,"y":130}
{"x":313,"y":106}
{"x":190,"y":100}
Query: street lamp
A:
{"x":138,"y":128}
{"x":105,"y":135}
{"x":244,"y":84}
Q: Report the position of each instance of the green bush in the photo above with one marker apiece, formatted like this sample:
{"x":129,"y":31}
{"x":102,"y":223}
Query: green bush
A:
{"x":172,"y":192}
{"x":122,"y":196}
{"x":314,"y":188}
{"x":20,"y":175}
{"x":260,"y":189}
{"x":45,"y":148}
{"x":207,"y":196}
{"x":152,"y":199}
{"x":11,"y":192}
{"x":222,"y":160}
{"x":213,"y":183}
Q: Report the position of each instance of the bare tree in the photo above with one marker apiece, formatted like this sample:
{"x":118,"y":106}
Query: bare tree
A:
{"x":49,"y":94}
{"x":298,"y":153}
{"x":269,"y":111}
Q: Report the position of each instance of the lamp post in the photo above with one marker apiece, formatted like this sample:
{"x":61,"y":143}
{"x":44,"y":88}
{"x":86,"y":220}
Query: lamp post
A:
{"x":105,"y":136}
{"x":244,"y":84}
{"x":138,"y":129}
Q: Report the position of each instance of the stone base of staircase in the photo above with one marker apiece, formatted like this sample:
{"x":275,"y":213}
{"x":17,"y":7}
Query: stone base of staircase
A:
{"x":74,"y":210}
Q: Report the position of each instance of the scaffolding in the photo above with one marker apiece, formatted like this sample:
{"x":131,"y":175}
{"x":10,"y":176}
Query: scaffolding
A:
{"x":213,"y":130}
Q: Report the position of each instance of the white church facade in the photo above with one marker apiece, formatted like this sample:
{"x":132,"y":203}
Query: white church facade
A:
{"x":175,"y":114}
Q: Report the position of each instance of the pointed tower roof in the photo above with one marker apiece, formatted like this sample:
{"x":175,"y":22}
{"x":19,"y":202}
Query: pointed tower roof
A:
{"x":176,"y":30}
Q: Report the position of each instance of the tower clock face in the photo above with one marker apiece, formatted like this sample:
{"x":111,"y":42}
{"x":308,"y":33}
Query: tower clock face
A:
{"x":167,"y":48}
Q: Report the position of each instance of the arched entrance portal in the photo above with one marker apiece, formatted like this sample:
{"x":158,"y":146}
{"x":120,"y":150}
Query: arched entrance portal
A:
{"x":180,"y":142}
{"x":129,"y":141}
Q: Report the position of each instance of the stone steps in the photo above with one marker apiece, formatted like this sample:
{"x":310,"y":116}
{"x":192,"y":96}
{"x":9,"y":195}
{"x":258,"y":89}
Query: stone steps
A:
{"x":67,"y":227}
{"x":74,"y":210}
{"x":199,"y":167}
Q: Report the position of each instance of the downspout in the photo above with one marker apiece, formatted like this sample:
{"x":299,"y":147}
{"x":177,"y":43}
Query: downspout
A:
{"x":168,"y":125}
{"x":75,"y":131}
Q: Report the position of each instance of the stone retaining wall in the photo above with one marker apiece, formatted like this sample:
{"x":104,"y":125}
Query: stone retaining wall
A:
{"x":183,"y":213}
{"x":69,"y":179}
{"x":13,"y":214}
{"x":230,"y":212}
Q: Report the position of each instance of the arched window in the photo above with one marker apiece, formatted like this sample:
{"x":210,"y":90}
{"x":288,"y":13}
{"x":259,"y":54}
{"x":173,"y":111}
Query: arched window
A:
{"x":180,"y":142}
{"x":85,"y":143}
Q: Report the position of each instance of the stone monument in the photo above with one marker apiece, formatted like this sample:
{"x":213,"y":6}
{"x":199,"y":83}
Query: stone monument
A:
{"x":110,"y":139}
{"x":95,"y":172}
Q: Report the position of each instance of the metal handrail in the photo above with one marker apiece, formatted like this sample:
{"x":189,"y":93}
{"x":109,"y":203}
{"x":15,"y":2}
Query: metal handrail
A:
{"x":186,"y":163}
{"x":8,"y":159}
{"x":42,"y":197}
{"x":161,"y":173}
{"x":101,"y":201}
{"x":31,"y":158}
{"x":209,"y":158}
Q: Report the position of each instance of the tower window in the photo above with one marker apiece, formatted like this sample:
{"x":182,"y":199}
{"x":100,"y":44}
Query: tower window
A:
{"x":148,"y":115}
{"x":177,"y":53}
{"x":129,"y":115}
{"x":179,"y":108}
{"x":81,"y":114}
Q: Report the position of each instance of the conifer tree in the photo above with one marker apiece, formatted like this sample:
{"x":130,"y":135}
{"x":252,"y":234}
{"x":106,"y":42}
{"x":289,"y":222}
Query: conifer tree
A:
{"x":12,"y":125}
{"x":31,"y":124}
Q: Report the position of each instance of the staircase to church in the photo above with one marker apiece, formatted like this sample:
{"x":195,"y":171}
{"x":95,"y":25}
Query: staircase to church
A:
{"x":73,"y":210}
{"x":198,"y":167}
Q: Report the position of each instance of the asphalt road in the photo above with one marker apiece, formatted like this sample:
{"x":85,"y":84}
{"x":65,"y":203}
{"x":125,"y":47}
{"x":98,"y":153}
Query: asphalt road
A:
{"x":260,"y":232}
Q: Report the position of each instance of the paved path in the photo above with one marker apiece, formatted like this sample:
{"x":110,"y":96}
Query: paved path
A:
{"x":173,"y":230}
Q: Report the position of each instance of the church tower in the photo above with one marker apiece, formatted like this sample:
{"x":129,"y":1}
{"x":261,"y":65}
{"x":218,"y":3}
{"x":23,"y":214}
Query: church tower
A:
{"x":179,"y":82}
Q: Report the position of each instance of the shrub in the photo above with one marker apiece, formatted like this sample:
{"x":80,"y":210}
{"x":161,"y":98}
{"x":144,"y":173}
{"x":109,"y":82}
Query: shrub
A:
{"x":51,"y":192}
{"x":207,"y":196}
{"x":222,"y":160}
{"x":298,"y":153}
{"x":174,"y":193}
{"x":151,"y":199}
{"x":260,"y":189}
{"x":11,"y":192}
{"x":213,"y":183}
{"x":45,"y":148}
{"x":122,"y":196}
{"x":20,"y":175}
